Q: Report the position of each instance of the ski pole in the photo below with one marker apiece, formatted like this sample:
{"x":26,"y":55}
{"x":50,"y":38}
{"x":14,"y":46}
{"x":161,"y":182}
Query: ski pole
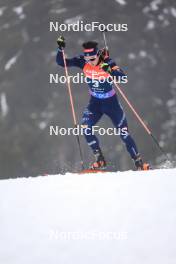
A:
{"x":104,"y":38}
{"x":140,"y":120}
{"x":133,"y":109}
{"x":72,"y":108}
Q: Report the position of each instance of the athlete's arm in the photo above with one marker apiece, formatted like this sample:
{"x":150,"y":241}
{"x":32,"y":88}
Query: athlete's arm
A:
{"x":76,"y":61}
{"x":72,"y":62}
{"x":114,"y":70}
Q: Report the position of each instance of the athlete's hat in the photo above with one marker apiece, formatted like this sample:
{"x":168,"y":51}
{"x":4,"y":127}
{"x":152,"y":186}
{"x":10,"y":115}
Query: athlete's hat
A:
{"x":90,"y":48}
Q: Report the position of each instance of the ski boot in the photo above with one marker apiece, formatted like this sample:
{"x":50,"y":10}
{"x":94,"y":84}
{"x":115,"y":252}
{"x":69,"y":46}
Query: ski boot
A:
{"x":100,"y":162}
{"x":140,"y":165}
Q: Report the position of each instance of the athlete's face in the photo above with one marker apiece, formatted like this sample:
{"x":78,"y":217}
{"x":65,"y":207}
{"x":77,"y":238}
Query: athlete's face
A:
{"x":93,"y":60}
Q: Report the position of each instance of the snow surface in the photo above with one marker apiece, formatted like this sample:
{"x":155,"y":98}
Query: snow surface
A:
{"x":3,"y":104}
{"x":19,"y":11}
{"x":11,"y":62}
{"x":124,"y":217}
{"x":121,"y":2}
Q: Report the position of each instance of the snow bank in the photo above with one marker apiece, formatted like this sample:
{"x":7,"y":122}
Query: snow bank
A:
{"x":108,"y":218}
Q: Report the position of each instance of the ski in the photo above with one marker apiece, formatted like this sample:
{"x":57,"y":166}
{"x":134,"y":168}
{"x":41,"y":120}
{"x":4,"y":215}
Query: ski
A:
{"x":92,"y":171}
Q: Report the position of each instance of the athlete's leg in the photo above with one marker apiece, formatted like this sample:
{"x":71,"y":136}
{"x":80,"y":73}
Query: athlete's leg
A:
{"x":117,"y":115}
{"x":91,"y":116}
{"x":128,"y":140}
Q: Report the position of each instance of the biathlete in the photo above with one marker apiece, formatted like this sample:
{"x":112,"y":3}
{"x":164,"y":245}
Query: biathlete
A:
{"x":96,"y":65}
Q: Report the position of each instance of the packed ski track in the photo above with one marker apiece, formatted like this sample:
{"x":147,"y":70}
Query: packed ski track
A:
{"x":124,"y":217}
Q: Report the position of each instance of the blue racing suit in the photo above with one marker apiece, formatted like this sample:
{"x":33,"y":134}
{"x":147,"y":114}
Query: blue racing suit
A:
{"x":103,"y":100}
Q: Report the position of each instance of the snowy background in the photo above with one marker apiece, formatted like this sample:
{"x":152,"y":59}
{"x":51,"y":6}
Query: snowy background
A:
{"x":29,"y":104}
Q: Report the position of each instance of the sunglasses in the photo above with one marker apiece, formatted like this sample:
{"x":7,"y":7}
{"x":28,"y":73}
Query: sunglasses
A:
{"x":91,"y":59}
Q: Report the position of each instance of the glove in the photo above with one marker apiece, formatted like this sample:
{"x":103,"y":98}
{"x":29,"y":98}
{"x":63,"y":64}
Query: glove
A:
{"x":61,"y":42}
{"x":105,"y":66}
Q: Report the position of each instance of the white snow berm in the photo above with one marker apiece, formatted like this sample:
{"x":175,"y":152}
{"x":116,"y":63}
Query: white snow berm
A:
{"x":125,"y":217}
